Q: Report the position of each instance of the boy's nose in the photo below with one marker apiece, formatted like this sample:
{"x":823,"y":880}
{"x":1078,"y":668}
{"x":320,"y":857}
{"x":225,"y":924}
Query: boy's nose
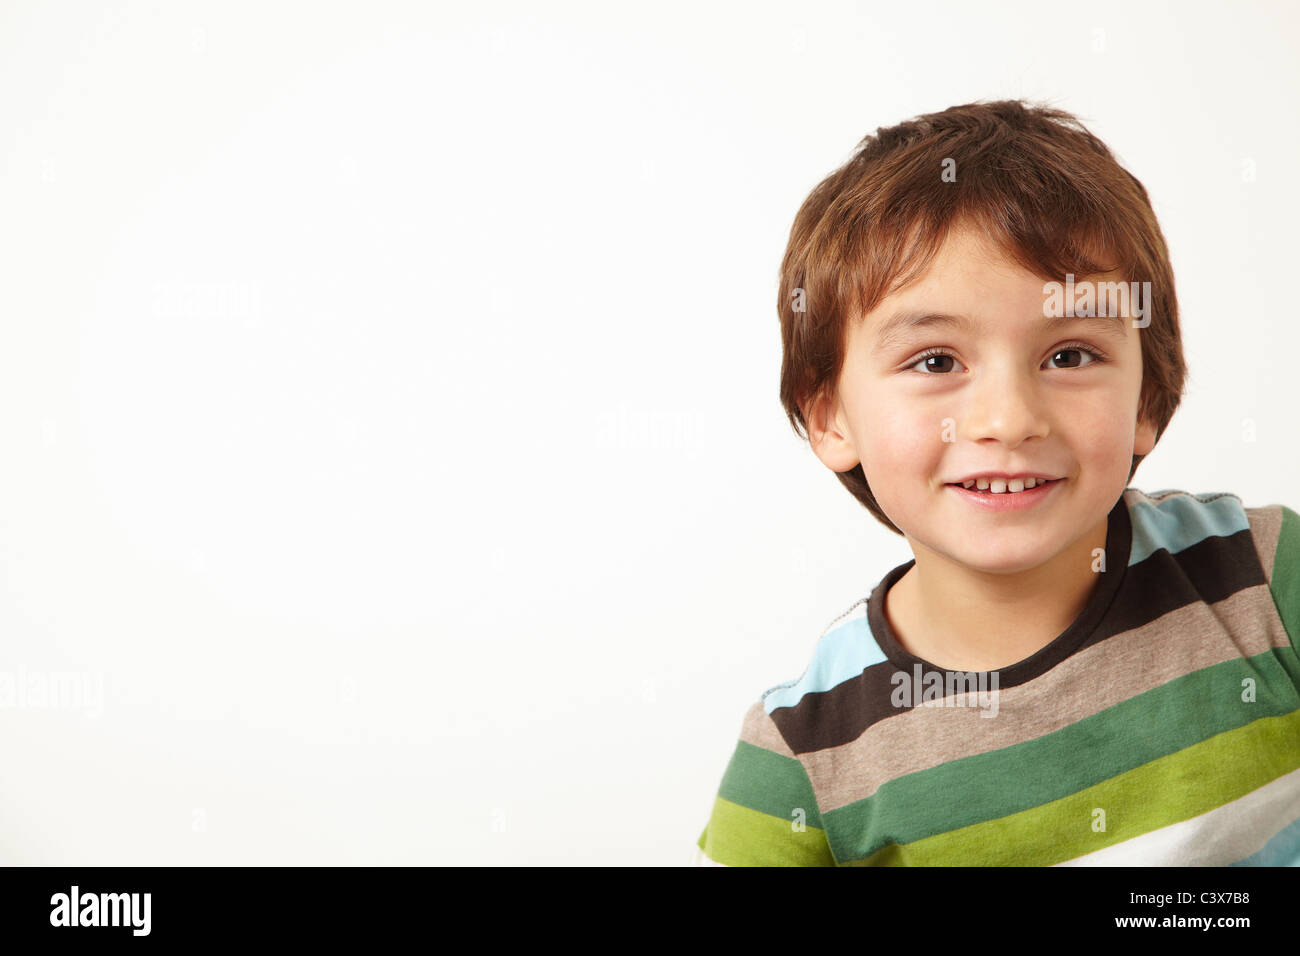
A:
{"x":1007,"y":408}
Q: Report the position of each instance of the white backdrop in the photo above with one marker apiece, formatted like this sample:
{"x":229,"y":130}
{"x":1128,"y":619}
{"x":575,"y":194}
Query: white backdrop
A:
{"x":393,"y":469}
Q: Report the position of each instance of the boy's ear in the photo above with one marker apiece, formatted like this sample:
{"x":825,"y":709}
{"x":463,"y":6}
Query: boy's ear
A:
{"x":1144,"y":439}
{"x":828,"y":435}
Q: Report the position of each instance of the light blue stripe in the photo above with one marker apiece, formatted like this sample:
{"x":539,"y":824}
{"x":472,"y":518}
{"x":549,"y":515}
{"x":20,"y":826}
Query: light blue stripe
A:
{"x":1282,"y":850}
{"x":1183,"y":520}
{"x":842,"y":654}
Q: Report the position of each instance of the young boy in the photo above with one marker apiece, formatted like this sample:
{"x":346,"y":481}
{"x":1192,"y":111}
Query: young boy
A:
{"x":981,"y":340}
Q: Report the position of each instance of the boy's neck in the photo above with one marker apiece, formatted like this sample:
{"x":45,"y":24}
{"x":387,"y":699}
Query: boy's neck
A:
{"x":958,"y":618}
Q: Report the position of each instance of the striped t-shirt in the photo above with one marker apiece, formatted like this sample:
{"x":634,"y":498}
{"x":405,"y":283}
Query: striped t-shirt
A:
{"x":1162,"y":727}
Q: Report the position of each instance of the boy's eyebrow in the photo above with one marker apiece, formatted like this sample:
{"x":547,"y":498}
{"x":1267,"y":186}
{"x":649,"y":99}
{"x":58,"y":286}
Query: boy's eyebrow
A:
{"x":907,"y":320}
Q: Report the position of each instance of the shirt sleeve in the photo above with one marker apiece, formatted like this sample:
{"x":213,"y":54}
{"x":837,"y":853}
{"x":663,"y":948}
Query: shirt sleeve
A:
{"x":1284,"y":582}
{"x":765,"y":813}
{"x":1276,"y":529}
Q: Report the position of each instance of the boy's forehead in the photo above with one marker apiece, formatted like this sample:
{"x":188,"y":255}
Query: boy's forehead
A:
{"x":970,"y":278}
{"x":968,"y":275}
{"x":969,"y":262}
{"x":967,"y":245}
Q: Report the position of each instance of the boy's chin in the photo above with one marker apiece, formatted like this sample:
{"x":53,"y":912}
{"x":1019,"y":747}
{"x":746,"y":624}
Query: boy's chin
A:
{"x":1017,"y":552}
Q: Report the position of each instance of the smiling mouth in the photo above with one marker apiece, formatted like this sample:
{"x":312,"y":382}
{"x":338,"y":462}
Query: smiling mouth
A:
{"x":1000,"y":486}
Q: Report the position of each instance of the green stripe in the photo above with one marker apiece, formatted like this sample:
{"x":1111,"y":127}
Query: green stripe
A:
{"x":769,"y":783}
{"x":739,"y":836}
{"x":1285,"y":582}
{"x":1174,"y":788}
{"x":990,"y":786}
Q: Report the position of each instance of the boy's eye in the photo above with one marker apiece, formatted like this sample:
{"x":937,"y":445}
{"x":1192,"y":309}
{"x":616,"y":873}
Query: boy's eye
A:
{"x":1092,"y":356}
{"x":934,"y":359}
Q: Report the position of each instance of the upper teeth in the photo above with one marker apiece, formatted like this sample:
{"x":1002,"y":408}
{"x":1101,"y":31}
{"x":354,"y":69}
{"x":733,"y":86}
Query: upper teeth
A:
{"x":1001,"y":486}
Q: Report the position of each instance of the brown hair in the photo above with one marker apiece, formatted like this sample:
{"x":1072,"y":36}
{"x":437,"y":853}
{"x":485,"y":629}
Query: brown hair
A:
{"x":1033,"y":178}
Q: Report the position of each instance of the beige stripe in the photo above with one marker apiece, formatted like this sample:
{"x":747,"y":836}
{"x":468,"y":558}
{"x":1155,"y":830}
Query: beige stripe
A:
{"x":1266,"y":527}
{"x":760,"y":730}
{"x":1182,"y":641}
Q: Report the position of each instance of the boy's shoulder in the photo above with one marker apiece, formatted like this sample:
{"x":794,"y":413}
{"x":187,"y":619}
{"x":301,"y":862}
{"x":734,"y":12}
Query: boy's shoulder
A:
{"x":843,"y":650}
{"x":826,"y":699}
{"x":1177,"y":520}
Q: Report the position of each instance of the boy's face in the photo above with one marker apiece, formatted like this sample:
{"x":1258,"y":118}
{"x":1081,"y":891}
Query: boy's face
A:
{"x":1009,"y":399}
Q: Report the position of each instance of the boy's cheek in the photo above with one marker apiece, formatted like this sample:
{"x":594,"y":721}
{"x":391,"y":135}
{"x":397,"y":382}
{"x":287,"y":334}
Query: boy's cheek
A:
{"x":909,"y":429}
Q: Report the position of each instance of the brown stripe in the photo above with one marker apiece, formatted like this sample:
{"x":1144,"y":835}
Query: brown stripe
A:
{"x":1185,"y":640}
{"x":1210,"y":570}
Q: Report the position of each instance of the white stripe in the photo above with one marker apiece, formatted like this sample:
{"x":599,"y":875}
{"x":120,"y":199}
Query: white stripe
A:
{"x":1218,"y":837}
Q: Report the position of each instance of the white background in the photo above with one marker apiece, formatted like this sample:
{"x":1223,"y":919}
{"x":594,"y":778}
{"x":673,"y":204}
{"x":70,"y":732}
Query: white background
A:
{"x":388,"y":392}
